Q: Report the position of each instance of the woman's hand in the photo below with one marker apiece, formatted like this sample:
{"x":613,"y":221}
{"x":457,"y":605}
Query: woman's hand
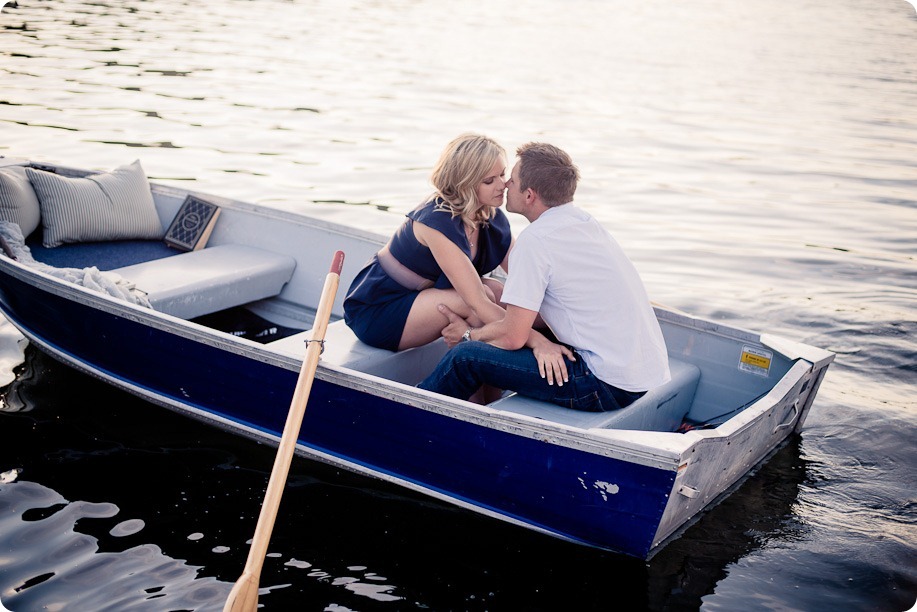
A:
{"x":453,"y":332}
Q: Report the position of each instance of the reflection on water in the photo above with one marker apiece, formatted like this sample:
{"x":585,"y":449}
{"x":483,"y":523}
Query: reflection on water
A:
{"x":758,"y":514}
{"x":43,"y":523}
{"x":758,"y":161}
{"x":64,"y":569}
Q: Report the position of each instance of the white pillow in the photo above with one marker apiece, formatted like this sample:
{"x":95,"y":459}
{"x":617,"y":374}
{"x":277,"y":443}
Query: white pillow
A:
{"x":18,"y":203}
{"x":114,"y":205}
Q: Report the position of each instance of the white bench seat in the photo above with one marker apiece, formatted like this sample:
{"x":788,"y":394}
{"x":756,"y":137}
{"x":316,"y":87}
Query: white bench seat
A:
{"x":202,"y":282}
{"x":343,"y":348}
{"x":660,"y":409}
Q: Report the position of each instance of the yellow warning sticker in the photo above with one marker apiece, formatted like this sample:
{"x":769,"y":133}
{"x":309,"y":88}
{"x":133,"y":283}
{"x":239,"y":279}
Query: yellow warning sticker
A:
{"x":755,"y":360}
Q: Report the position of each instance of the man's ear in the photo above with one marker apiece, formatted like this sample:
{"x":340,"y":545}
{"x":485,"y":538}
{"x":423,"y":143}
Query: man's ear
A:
{"x":530,"y":195}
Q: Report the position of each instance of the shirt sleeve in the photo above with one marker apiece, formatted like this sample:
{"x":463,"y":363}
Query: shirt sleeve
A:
{"x":529,"y":274}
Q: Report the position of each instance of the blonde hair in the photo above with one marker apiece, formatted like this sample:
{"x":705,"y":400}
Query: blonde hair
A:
{"x":464,"y":163}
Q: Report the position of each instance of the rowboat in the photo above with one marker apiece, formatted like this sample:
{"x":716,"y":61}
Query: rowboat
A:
{"x":219,"y":333}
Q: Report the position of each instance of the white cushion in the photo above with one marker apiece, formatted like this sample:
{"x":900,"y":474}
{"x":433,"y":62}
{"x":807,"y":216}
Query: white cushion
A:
{"x":18,"y":203}
{"x":202,"y":282}
{"x":114,"y":205}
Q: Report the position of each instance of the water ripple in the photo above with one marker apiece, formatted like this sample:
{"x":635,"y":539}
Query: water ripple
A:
{"x":64,"y":568}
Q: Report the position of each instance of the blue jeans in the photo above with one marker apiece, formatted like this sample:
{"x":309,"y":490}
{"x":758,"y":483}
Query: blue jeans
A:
{"x":469,"y":365}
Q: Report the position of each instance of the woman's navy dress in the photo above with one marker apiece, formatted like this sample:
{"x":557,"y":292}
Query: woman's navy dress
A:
{"x":376,"y":307}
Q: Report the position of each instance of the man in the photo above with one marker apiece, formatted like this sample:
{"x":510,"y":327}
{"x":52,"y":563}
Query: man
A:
{"x":566,"y":267}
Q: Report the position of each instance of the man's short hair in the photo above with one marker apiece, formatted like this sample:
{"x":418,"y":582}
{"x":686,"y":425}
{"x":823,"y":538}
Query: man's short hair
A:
{"x":548,"y":171}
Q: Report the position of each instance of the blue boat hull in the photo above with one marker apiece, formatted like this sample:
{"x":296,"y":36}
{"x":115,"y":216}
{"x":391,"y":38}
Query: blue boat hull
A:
{"x":582,"y":496}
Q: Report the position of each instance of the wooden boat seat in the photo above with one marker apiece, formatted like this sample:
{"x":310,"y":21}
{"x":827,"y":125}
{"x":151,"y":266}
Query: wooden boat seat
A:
{"x":660,"y":409}
{"x":343,"y":348}
{"x":202,"y":282}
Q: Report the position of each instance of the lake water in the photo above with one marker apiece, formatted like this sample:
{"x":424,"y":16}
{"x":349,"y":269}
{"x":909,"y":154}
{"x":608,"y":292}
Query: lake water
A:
{"x":757,"y":160}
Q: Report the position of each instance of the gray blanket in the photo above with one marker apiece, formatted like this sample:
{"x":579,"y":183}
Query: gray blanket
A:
{"x":92,"y":278}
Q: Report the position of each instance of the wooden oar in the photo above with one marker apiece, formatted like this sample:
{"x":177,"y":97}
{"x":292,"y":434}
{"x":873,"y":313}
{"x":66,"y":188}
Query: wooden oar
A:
{"x":244,"y":595}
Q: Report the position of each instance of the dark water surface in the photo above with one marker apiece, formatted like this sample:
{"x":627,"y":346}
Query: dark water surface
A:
{"x":758,"y":161}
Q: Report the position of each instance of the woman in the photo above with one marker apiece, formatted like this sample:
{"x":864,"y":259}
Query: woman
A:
{"x":439,"y":255}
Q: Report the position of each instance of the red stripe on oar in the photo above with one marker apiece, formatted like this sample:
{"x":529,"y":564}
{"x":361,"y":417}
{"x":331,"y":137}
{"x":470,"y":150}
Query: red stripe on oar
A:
{"x":337,"y":264}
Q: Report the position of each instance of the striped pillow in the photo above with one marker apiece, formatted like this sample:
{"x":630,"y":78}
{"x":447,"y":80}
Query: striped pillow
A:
{"x":17,"y":199}
{"x":114,"y":205}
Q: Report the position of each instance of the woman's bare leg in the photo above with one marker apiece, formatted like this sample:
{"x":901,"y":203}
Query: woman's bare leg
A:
{"x":496,"y":287}
{"x":425,"y":321}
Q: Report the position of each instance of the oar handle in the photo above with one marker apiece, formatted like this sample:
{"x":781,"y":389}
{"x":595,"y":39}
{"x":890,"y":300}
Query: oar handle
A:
{"x":337,"y":263}
{"x":244,"y":595}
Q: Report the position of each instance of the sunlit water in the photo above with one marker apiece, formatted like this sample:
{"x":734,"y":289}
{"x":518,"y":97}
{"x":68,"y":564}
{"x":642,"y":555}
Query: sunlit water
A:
{"x":757,"y":160}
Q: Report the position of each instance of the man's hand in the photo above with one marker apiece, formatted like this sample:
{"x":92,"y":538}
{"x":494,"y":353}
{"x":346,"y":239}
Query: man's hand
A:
{"x":551,"y":365}
{"x":457,"y":326}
